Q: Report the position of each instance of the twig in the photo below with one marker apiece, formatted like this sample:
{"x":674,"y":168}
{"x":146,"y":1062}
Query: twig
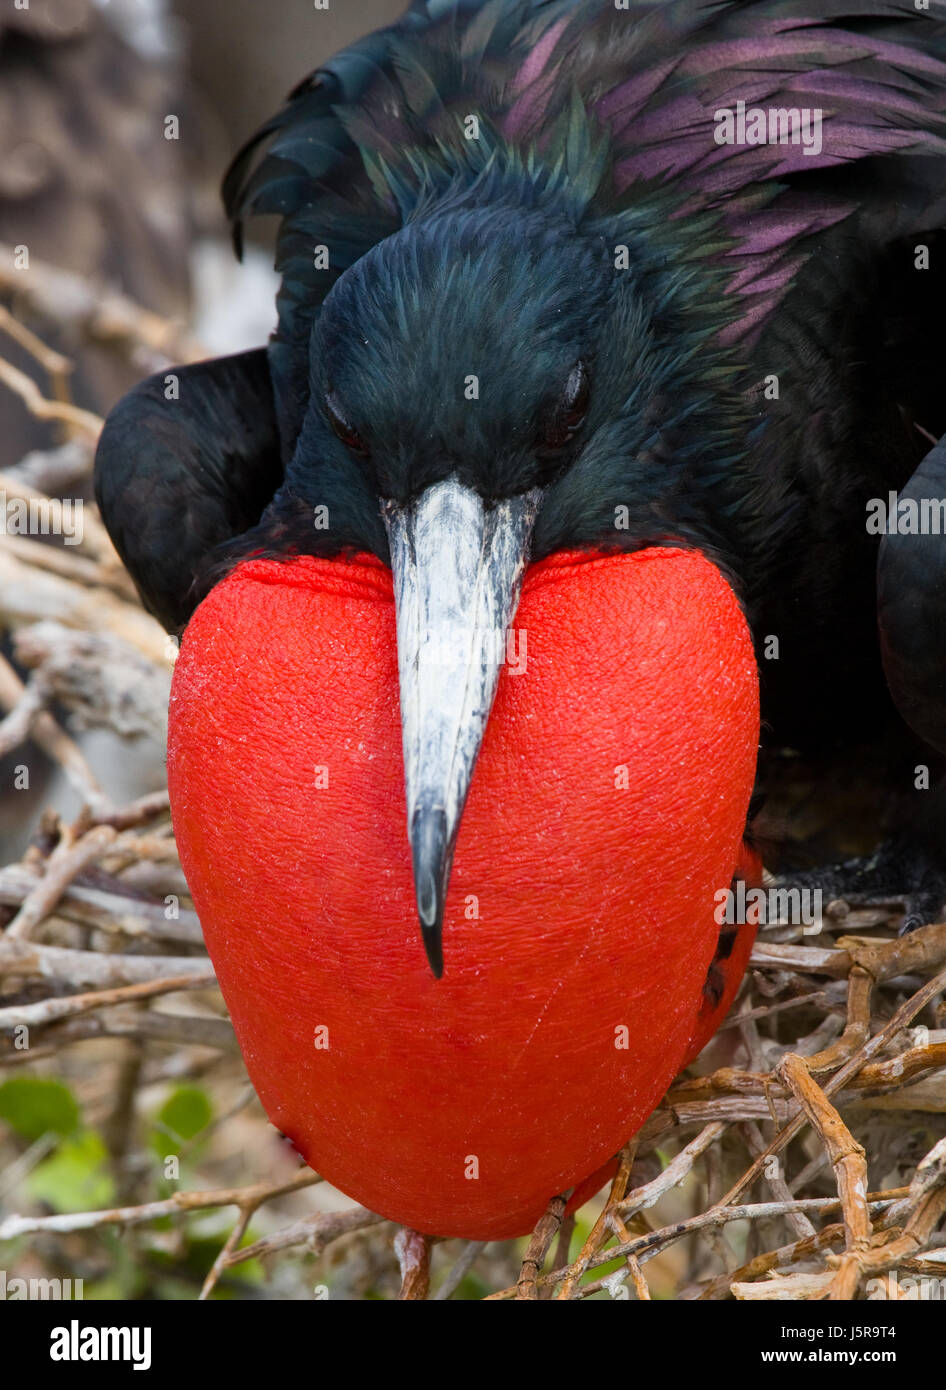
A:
{"x":849,"y":1164}
{"x":137,"y":812}
{"x":314,"y":1232}
{"x":539,"y":1243}
{"x":92,"y":538}
{"x":803,"y":1249}
{"x":15,"y":728}
{"x":30,"y":595}
{"x":65,"y":563}
{"x":248,"y":1209}
{"x":104,"y":909}
{"x":36,"y":403}
{"x":599,"y":1230}
{"x":641,"y":1287}
{"x":926,"y":1205}
{"x":100,"y":678}
{"x":51,"y":361}
{"x":66,"y":861}
{"x":856,"y":1032}
{"x":654,"y":1241}
{"x":13,"y":1226}
{"x":813,"y":959}
{"x":413,"y":1257}
{"x":54,"y":742}
{"x":459,"y":1270}
{"x":189,"y":1030}
{"x":676,"y":1171}
{"x":904,"y":1015}
{"x":51,"y":1010}
{"x":96,"y":311}
{"x":780,"y":1189}
{"x":231,"y":1243}
{"x":95,"y":968}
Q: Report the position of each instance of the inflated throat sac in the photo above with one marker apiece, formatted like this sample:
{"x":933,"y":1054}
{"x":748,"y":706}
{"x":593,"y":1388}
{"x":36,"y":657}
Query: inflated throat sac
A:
{"x":606,"y":811}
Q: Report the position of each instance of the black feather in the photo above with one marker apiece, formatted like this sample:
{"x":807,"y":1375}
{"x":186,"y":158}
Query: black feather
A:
{"x":186,"y":461}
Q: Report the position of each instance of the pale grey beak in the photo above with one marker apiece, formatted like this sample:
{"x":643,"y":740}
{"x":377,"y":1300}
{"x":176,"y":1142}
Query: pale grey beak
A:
{"x":458,"y":568}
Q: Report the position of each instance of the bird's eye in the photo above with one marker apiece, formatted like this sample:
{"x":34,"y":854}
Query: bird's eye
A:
{"x":569,"y":411}
{"x":342,"y":426}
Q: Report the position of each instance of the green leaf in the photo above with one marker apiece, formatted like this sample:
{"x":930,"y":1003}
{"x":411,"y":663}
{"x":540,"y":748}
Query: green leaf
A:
{"x":185,"y":1113}
{"x":34,"y":1106}
{"x":75,"y":1178}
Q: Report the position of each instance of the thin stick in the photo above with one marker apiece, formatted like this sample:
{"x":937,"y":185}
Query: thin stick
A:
{"x":95,"y":311}
{"x":654,"y":1241}
{"x":54,"y":741}
{"x":13,"y":1226}
{"x":53,"y":1009}
{"x":37,"y":404}
{"x":413,"y":1256}
{"x":546,"y":1229}
{"x":95,"y":968}
{"x":15,"y":728}
{"x":676,"y":1171}
{"x":51,"y":361}
{"x":904,"y":1015}
{"x":849,"y":1164}
{"x":600,"y":1228}
{"x":314,"y":1232}
{"x":66,"y":861}
{"x":459,"y":1270}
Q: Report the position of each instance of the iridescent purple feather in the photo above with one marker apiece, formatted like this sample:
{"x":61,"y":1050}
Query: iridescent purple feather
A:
{"x":661,"y":73}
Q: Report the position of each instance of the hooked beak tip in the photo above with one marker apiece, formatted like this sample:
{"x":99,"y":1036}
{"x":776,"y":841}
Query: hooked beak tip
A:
{"x":432,"y":854}
{"x":433,"y":945}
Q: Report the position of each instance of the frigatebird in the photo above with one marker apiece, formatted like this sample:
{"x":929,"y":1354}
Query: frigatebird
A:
{"x":617,"y":323}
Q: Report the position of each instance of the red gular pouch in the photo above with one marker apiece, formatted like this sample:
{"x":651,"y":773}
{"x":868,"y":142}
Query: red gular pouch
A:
{"x":606,"y":811}
{"x":733,"y":948}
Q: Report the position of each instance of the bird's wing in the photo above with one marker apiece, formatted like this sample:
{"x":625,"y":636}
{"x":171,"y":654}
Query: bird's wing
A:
{"x":187,"y":461}
{"x":911,"y":600}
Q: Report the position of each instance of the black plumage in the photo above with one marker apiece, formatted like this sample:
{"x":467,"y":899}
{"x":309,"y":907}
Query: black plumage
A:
{"x":761,"y":341}
{"x":186,"y":463}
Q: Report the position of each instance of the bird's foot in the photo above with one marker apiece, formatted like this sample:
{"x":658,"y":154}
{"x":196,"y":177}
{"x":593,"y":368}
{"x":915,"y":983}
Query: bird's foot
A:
{"x":896,"y":870}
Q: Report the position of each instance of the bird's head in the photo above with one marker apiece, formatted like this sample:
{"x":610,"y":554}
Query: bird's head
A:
{"x":460,"y":348}
{"x":486,"y":387}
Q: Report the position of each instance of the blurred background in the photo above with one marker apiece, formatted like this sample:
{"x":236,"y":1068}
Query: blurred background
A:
{"x":117,"y":217}
{"x":244,"y":56}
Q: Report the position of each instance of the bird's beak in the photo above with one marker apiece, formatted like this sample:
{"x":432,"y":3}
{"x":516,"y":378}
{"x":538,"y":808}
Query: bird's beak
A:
{"x":458,"y":567}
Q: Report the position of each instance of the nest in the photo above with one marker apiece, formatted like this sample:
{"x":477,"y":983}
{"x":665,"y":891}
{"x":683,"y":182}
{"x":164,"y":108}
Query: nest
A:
{"x":801,"y":1157}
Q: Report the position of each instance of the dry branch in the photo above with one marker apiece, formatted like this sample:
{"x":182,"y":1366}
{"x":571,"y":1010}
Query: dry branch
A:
{"x":67,"y":861}
{"x":413,"y":1257}
{"x":848,"y":1161}
{"x":37,"y":404}
{"x":95,"y":312}
{"x":14,"y":1226}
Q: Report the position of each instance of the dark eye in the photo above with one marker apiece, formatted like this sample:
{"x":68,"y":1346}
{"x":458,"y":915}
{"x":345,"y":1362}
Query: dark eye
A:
{"x":569,"y":411}
{"x":342,"y":425}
